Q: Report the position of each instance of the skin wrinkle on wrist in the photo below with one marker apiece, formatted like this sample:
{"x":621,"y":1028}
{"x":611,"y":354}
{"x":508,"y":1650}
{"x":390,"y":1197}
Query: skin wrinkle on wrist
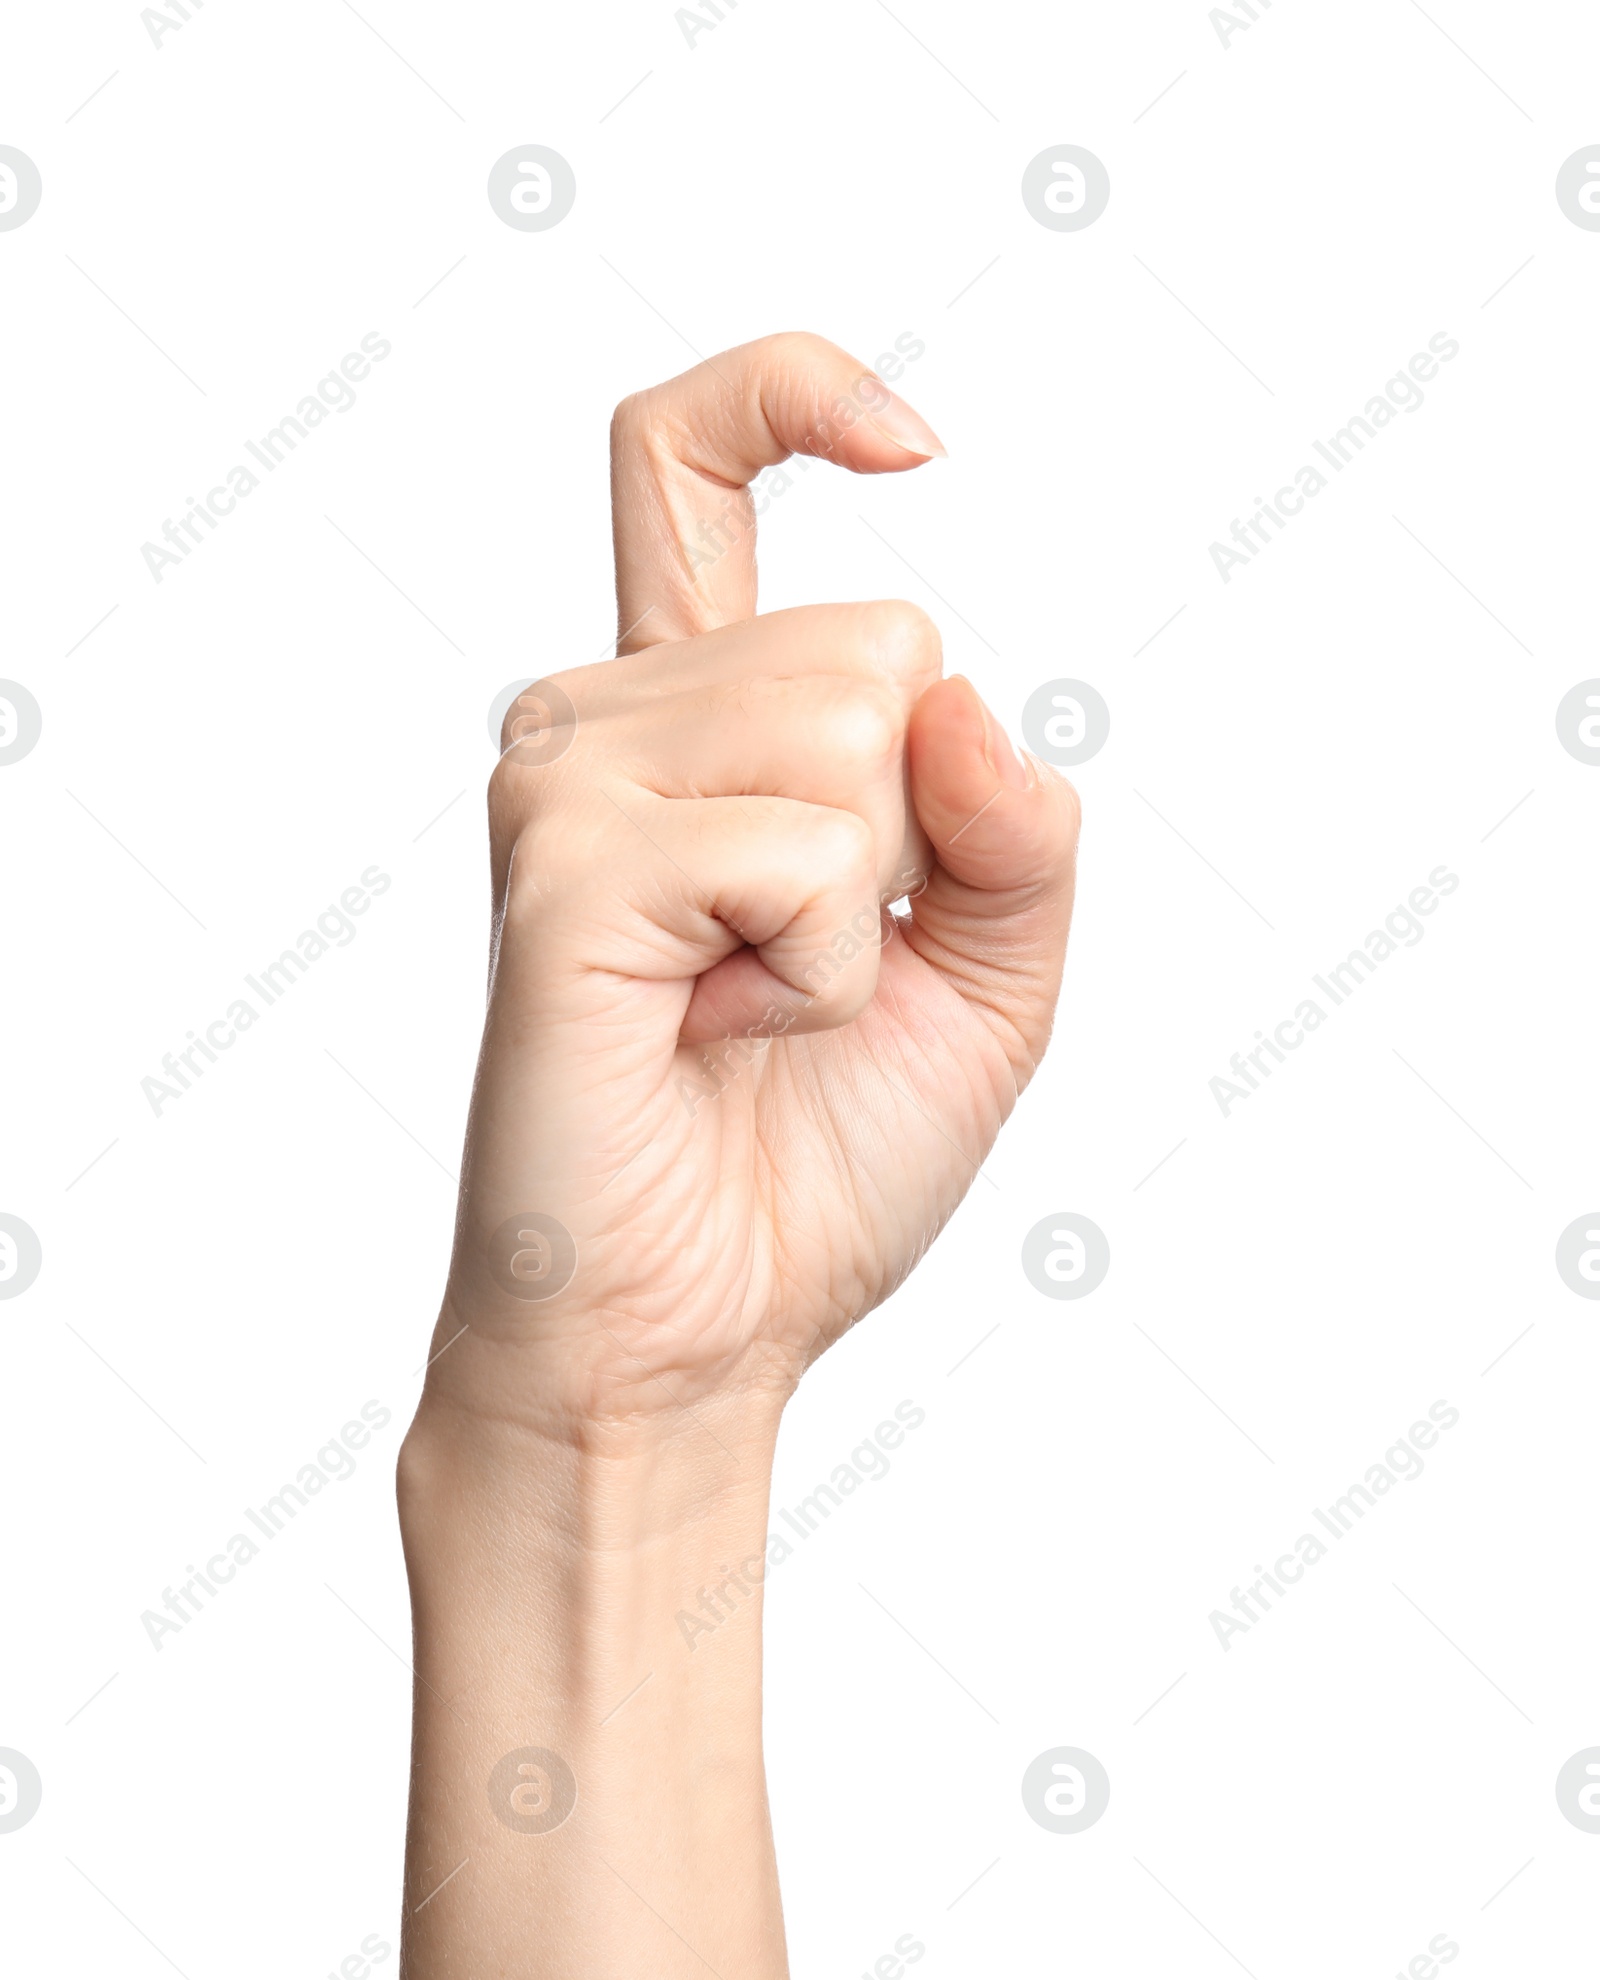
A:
{"x":451,"y":1440}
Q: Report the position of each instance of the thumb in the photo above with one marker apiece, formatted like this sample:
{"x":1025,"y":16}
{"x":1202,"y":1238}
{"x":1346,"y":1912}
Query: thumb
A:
{"x":683,"y":453}
{"x":993,"y":918}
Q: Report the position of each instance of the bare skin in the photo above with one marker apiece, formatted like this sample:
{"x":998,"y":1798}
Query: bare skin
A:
{"x":726,"y":1100}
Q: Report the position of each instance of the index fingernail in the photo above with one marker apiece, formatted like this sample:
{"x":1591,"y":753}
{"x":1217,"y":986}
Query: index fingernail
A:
{"x":896,"y":421}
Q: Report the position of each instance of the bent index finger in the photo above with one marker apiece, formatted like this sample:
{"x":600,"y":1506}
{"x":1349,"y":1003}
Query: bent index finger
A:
{"x":683,"y":453}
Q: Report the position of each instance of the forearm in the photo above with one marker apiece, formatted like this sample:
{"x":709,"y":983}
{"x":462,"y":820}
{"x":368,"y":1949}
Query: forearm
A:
{"x":548,"y":1576}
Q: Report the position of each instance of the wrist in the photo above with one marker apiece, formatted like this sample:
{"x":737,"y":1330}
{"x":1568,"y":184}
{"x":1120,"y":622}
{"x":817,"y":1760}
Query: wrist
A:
{"x":605,"y":1489}
{"x":551,"y":1573}
{"x":583,"y":1546}
{"x":527,"y":1382}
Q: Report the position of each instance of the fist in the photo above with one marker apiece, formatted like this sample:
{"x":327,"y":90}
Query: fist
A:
{"x":779,"y":926}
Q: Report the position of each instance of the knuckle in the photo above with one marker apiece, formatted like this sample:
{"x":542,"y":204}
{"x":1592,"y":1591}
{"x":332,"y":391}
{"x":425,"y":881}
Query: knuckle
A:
{"x":539,"y":726}
{"x":798,"y":350}
{"x":523,"y":889}
{"x":539,"y":866}
{"x":862,"y":729}
{"x":628,"y":416}
{"x":521,"y":791}
{"x":903,"y":641}
{"x":508,"y":795}
{"x":651,"y":427}
{"x":842,"y":846}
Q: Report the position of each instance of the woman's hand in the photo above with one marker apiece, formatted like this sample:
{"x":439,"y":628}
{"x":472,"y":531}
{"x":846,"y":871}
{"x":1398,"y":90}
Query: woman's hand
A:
{"x":726,"y":1101}
{"x":726,"y":1098}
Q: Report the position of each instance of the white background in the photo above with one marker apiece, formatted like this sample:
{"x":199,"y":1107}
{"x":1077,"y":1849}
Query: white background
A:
{"x":306,"y":695}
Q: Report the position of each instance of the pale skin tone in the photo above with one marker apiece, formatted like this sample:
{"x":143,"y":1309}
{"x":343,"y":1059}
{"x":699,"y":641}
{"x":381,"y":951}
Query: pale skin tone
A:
{"x":752,"y":1091}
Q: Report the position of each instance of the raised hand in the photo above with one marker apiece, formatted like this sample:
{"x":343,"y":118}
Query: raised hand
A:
{"x":738,"y":1094}
{"x":727,"y":1097}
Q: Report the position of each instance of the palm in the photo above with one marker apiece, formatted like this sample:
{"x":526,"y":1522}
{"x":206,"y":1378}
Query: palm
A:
{"x":888,"y":1121}
{"x":795,"y":1185}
